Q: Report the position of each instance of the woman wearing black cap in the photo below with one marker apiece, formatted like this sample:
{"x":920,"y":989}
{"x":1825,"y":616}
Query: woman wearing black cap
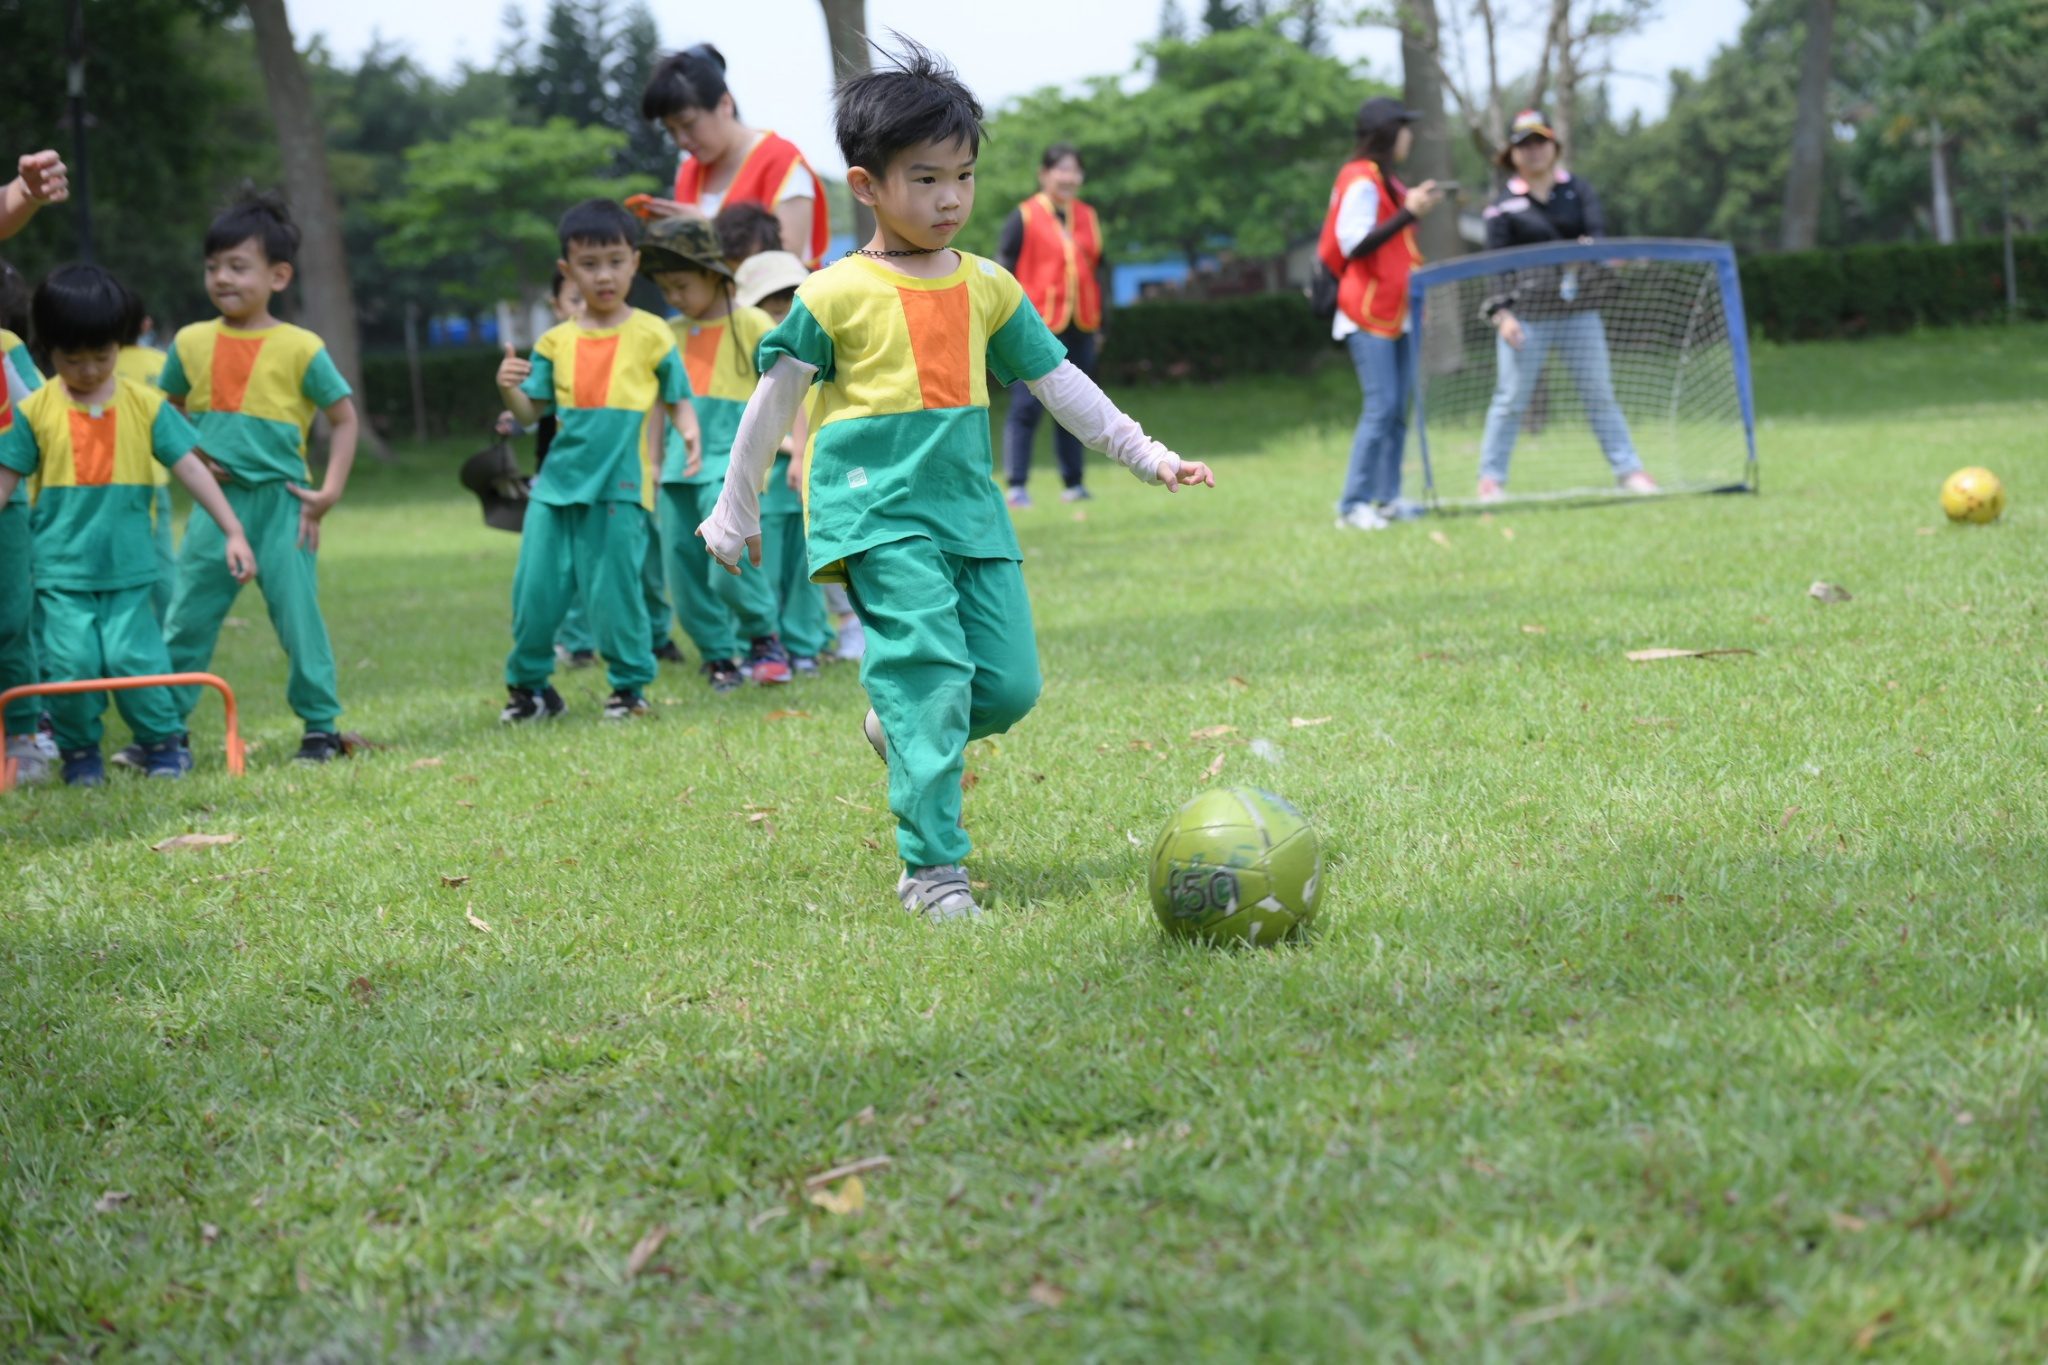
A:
{"x":1368,"y":244}
{"x":1539,"y":311}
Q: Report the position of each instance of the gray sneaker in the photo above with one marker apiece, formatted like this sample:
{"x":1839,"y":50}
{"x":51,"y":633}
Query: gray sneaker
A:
{"x":31,"y":765}
{"x":938,"y":893}
{"x":872,"y":728}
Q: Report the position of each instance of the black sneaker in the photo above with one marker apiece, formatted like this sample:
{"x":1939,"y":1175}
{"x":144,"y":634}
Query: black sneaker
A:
{"x":523,"y":704}
{"x":136,"y":757}
{"x":576,"y":658}
{"x":172,"y":758}
{"x":723,"y":675}
{"x":319,"y":746}
{"x":625,"y":704}
{"x":82,"y":767}
{"x":768,"y":661}
{"x":671,"y":653}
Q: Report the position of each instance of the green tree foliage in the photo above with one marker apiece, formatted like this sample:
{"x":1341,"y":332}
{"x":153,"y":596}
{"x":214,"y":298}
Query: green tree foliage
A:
{"x":478,"y":209}
{"x":1235,"y":141}
{"x":588,"y":66}
{"x":178,"y":121}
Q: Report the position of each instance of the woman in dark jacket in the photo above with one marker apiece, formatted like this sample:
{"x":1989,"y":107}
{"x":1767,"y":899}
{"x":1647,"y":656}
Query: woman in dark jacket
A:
{"x":1549,"y":309}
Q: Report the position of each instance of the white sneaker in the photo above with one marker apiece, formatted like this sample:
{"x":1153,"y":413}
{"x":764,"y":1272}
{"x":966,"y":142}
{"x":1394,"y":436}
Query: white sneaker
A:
{"x":1638,"y":482}
{"x":1361,"y":518}
{"x":938,"y":893}
{"x":31,"y":764}
{"x":871,"y":726}
{"x":1491,"y":490}
{"x":853,"y":640}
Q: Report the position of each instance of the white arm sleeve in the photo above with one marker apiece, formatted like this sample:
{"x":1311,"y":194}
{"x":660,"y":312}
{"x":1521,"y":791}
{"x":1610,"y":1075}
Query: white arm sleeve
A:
{"x":1082,"y":408}
{"x":1357,"y":214}
{"x":770,"y":414}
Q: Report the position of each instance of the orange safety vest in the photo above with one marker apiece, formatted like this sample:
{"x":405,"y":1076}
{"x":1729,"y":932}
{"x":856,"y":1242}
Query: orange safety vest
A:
{"x":1371,"y":290}
{"x":1057,"y":265}
{"x":759,"y":180}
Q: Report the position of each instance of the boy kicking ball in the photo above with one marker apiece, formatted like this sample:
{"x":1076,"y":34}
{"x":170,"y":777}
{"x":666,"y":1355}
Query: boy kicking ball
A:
{"x":903,"y":502}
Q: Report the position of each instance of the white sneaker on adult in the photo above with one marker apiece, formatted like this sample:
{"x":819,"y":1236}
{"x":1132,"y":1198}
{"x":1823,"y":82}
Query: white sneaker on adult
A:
{"x":1361,"y":518}
{"x":1638,"y":482}
{"x":1491,"y":490}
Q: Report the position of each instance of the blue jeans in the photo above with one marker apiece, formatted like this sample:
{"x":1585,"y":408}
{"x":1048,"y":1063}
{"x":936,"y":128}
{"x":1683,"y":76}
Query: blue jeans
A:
{"x":1386,"y":372}
{"x":1582,"y":339}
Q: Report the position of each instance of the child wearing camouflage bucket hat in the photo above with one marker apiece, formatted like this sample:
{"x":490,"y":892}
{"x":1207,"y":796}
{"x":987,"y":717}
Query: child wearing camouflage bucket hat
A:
{"x":721,"y":614}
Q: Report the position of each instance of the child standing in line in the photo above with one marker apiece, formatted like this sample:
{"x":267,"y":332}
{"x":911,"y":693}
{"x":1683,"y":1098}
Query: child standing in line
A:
{"x":89,"y":440}
{"x":769,"y":281}
{"x":902,"y":496}
{"x":601,"y":372}
{"x":251,"y":384}
{"x":27,"y":748}
{"x":718,"y":339}
{"x":144,"y":364}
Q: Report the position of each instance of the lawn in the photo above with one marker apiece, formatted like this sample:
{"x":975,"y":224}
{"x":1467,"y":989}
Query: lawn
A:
{"x":1680,"y":1010}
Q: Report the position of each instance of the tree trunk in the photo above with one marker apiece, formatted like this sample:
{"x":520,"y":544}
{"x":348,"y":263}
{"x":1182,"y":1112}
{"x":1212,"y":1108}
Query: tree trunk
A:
{"x":1800,"y":227}
{"x":328,"y":303}
{"x":1944,"y":202}
{"x":1564,"y":110}
{"x":846,"y":29}
{"x":1430,"y":159}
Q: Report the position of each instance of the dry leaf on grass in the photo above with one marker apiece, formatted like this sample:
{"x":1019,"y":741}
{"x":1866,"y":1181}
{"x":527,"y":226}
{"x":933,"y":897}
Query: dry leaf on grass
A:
{"x":419,"y":763}
{"x":235,"y":622}
{"x":1847,"y":1222}
{"x":1046,"y":1294}
{"x":466,"y":805}
{"x":855,"y":805}
{"x":474,"y":922}
{"x":180,"y":843}
{"x":1785,"y":820}
{"x":789,"y":715}
{"x":850,"y":1197}
{"x":352,"y":740}
{"x":969,"y":780}
{"x":460,"y":880}
{"x":1874,"y":1329}
{"x":644,"y":1249}
{"x":1507,"y":533}
{"x":209,"y":1233}
{"x":362,"y":989}
{"x":879,"y":1161}
{"x":1212,"y":732}
{"x":1650,"y":656}
{"x":111,"y":1200}
{"x":1827,"y":593}
{"x":1925,"y":530}
{"x":1306,"y":722}
{"x":1440,"y":540}
{"x":1534,"y":630}
{"x":1210,"y":772}
{"x":871,"y":843}
{"x":1238,"y":682}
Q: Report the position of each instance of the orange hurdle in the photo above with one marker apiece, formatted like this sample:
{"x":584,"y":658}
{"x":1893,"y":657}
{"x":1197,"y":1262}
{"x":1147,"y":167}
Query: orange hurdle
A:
{"x":227,"y":697}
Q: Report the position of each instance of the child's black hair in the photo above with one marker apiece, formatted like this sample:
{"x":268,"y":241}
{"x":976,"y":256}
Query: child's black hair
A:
{"x":746,"y":230}
{"x":13,"y":300}
{"x":691,"y":79}
{"x":80,"y":308}
{"x":598,"y":222}
{"x":261,"y":215}
{"x":913,"y":97}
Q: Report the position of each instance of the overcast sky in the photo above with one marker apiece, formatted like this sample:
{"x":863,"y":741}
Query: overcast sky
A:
{"x":781,"y":72}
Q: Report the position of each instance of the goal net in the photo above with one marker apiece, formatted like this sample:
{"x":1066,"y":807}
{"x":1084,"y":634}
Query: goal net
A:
{"x":1633,"y":354}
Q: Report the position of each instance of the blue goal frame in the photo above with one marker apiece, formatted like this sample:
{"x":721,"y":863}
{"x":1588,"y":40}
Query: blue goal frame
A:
{"x":1720,"y":255}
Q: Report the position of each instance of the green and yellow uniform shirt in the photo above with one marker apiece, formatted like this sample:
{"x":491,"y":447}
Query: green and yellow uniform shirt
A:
{"x":144,"y":365}
{"x":18,"y":379}
{"x":602,"y":383}
{"x":719,"y":355}
{"x":901,"y":446}
{"x":94,"y":469}
{"x":253,"y":394}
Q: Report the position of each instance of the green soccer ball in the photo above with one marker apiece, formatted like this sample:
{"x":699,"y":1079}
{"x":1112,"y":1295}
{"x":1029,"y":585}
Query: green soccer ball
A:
{"x":1236,"y":865}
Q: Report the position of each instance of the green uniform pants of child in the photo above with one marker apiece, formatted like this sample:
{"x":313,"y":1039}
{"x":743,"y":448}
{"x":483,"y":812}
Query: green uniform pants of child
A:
{"x":576,"y":635}
{"x":106,"y":635}
{"x":806,"y":630}
{"x":950,"y":658}
{"x":285,"y":574}
{"x":590,"y":549}
{"x":18,"y":667}
{"x":720,"y":612}
{"x":166,"y":553}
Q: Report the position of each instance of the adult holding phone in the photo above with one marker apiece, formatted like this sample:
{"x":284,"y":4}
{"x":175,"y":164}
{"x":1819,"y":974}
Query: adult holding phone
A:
{"x":1368,"y":245}
{"x":1555,"y":309}
{"x":1052,"y":243}
{"x":726,"y":162}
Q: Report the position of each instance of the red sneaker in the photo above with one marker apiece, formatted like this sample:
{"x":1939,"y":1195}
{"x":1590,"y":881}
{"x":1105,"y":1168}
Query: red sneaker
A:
{"x":768,"y":661}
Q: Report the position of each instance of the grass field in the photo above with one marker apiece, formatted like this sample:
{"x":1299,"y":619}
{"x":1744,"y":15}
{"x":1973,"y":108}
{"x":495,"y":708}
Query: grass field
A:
{"x":1687,"y":1010}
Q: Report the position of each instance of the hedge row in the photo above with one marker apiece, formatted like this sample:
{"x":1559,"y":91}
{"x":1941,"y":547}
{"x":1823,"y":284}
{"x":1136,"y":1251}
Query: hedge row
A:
{"x":1789,"y":296}
{"x":1866,"y":290}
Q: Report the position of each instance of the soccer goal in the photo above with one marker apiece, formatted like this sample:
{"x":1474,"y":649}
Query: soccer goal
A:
{"x":1633,"y":353}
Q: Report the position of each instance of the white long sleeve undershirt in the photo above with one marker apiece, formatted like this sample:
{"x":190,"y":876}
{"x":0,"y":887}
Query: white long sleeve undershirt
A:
{"x":1073,"y":399}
